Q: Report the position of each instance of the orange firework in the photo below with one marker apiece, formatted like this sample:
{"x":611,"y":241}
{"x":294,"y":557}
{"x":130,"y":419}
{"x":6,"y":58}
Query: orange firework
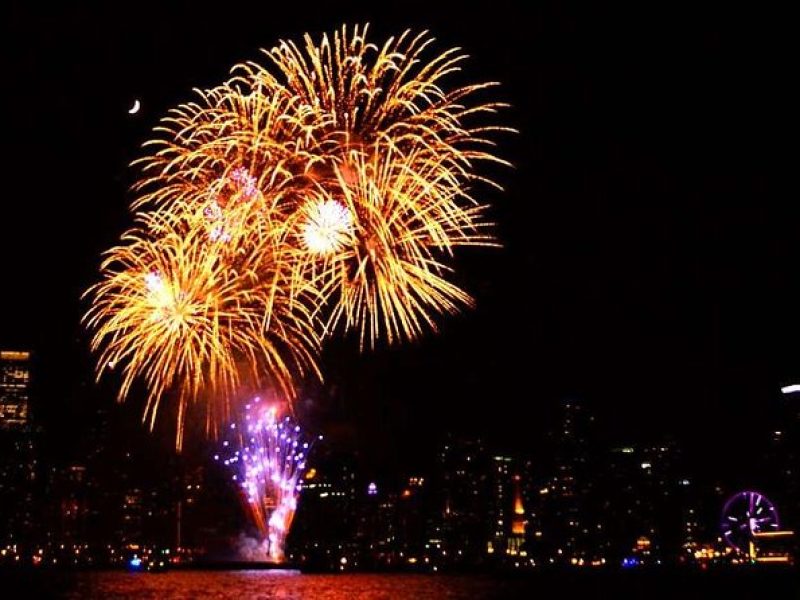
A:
{"x":189,"y":319}
{"x":390,"y":196}
{"x":359,"y":92}
{"x":378,"y":251}
{"x":329,"y":186}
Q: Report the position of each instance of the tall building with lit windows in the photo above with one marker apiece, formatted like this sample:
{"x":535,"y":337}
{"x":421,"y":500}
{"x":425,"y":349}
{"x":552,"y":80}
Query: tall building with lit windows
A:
{"x":460,"y":510}
{"x":15,"y":381}
{"x":18,"y":468}
{"x":325,"y":526}
{"x":508,"y":516}
{"x":516,"y":537}
{"x":500,"y":504}
{"x":647,"y":504}
{"x":569,"y":527}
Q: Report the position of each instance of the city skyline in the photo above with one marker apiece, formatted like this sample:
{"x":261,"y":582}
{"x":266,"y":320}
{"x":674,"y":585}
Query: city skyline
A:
{"x":580,"y":502}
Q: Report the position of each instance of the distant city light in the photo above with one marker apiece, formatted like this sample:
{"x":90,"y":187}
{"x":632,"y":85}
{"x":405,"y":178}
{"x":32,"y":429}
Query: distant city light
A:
{"x":627,"y":563}
{"x":372,"y":489}
{"x":646,"y":465}
{"x":791,"y":389}
{"x":135,"y":562}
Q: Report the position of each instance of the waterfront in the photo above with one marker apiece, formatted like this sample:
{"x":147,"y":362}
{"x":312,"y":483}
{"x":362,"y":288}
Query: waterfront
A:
{"x":291,"y":585}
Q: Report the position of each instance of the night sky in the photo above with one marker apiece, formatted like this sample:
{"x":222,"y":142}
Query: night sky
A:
{"x":651,"y":260}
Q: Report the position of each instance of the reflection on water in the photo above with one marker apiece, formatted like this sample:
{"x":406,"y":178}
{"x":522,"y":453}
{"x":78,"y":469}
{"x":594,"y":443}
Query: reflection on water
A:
{"x":289,"y":585}
{"x":285,"y":585}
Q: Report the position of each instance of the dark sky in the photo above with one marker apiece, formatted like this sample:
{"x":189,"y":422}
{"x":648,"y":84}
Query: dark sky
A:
{"x":651,"y":258}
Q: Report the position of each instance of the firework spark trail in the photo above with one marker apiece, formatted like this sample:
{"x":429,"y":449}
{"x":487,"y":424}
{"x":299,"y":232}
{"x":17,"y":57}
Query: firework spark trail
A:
{"x":267,"y":455}
{"x":357,"y":93}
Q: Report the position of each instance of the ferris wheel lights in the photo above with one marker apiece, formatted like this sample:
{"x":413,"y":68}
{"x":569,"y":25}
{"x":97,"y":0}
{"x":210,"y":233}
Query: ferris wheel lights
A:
{"x":744,"y":515}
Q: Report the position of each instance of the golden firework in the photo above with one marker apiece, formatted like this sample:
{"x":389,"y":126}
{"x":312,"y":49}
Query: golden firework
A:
{"x":355,"y":92}
{"x":389,"y":196}
{"x":191,"y":319}
{"x":397,"y":219}
{"x":328,"y":186}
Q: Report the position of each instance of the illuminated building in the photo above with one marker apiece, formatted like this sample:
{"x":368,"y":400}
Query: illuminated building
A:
{"x":568,"y":531}
{"x":326,"y":523}
{"x":18,"y":464}
{"x":460,"y":514}
{"x":508,"y":519}
{"x":506,"y":522}
{"x":376,"y":535}
{"x":18,"y":481}
{"x":773,"y":547}
{"x":15,"y":381}
{"x":68,"y":492}
{"x":141,"y":509}
{"x":781,"y":462}
{"x":500,"y":500}
{"x":190,"y":529}
{"x":516,"y":538}
{"x":648,"y":505}
{"x":411,"y":517}
{"x":132,"y":525}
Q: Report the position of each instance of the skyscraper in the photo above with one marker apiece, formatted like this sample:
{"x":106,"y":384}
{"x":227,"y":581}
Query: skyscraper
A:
{"x":519,"y":523}
{"x":326,"y":520}
{"x":568,"y":528}
{"x":461,"y":500}
{"x":15,"y":384}
{"x":17,"y":457}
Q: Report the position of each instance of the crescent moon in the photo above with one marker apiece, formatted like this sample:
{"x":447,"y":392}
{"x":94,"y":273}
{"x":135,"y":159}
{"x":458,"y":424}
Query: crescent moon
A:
{"x":135,"y":108}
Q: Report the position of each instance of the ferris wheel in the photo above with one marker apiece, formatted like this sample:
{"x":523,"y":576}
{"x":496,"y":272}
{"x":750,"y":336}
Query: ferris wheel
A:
{"x":745,"y":514}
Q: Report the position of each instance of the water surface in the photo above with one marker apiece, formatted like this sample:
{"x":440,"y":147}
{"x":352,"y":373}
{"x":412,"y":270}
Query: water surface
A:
{"x":291,"y":585}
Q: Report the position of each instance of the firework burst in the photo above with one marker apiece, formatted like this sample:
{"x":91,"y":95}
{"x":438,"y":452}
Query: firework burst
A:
{"x":390,"y":194}
{"x":267,"y":455}
{"x":326,"y":189}
{"x":396,"y":220}
{"x":193,"y":321}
